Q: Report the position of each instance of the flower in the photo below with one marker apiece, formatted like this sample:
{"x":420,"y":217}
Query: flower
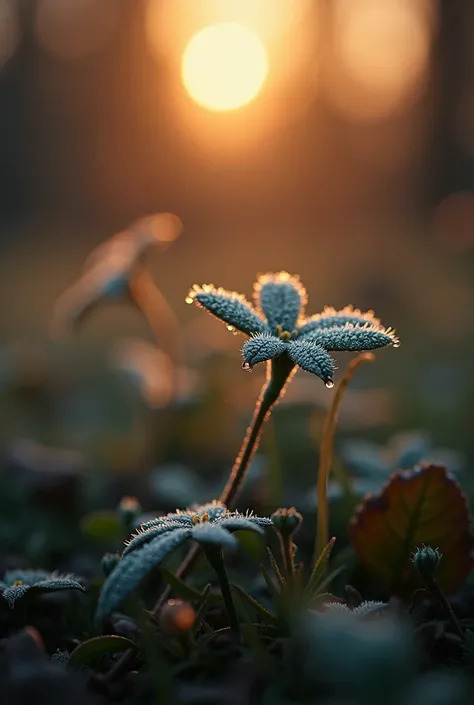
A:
{"x":426,"y":561}
{"x":279,"y":327}
{"x":110,"y":266}
{"x":17,"y":583}
{"x":286,"y":521}
{"x":211,"y":525}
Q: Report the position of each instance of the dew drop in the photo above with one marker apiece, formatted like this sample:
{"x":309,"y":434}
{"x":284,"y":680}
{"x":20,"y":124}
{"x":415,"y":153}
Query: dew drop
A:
{"x":246,"y":366}
{"x":230,"y":328}
{"x":189,"y":299}
{"x":396,"y":343}
{"x":329,"y":383}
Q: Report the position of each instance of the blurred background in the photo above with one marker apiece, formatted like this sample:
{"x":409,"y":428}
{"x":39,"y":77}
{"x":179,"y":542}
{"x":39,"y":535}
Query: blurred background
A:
{"x":349,"y":160}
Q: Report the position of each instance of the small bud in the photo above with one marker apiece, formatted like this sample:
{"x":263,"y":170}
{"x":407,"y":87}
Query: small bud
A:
{"x":426,"y":561}
{"x":108,"y":563}
{"x":129,"y":510}
{"x":287,"y":521}
{"x":177,"y":617}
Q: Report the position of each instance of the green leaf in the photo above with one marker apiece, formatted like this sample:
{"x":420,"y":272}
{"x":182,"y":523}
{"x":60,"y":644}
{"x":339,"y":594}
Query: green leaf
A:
{"x":254,"y":603}
{"x":183,"y":589}
{"x":103,"y":525}
{"x":99,"y":646}
{"x":318,"y":573}
{"x":279,"y":577}
{"x":415,"y":507}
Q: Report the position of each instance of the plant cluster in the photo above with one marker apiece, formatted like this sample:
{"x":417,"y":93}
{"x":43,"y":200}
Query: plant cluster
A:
{"x":210,"y":604}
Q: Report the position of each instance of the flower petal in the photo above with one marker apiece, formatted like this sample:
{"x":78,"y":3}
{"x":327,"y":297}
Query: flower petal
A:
{"x":230,"y":307}
{"x":133,"y":568}
{"x":14,"y":593}
{"x":354,"y":338}
{"x":261,"y":348}
{"x":281,"y":297}
{"x":143,"y":536}
{"x":330,"y":318}
{"x":58,"y":584}
{"x":312,"y":358}
{"x":208,"y":534}
{"x":240,"y":524}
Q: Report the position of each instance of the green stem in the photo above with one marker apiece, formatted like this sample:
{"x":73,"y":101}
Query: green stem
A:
{"x":215,"y":558}
{"x":278,"y":373}
{"x":436,"y":590}
{"x":326,"y":455}
{"x":287,"y":550}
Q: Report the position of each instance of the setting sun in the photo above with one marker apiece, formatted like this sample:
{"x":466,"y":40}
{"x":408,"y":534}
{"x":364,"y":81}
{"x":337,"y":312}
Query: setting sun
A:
{"x":224,"y":66}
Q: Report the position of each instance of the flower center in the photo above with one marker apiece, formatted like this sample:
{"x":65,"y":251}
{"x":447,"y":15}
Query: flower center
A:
{"x":17,"y":582}
{"x":196,"y":519}
{"x":284,"y":334}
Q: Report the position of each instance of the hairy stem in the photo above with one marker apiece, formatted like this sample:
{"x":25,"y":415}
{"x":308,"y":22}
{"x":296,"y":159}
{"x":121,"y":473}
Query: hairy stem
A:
{"x":216,"y":561}
{"x":279,"y":372}
{"x":326,"y":454}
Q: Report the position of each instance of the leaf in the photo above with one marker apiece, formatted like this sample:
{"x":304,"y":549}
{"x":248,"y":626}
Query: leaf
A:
{"x":420,"y":506}
{"x":99,"y":646}
{"x":133,"y":568}
{"x":102,"y":525}
{"x":318,"y":573}
{"x":184,"y":590}
{"x":279,"y":577}
{"x":254,"y":603}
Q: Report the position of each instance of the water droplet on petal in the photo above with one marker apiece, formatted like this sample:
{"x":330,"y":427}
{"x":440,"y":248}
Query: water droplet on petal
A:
{"x":246,"y":366}
{"x":230,"y":328}
{"x":396,"y":343}
{"x":189,"y":299}
{"x":329,"y":383}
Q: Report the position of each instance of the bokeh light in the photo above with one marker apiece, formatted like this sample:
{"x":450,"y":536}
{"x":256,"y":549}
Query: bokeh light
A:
{"x":224,"y":66}
{"x":382,"y":53}
{"x":9,"y":30}
{"x":72,"y":29}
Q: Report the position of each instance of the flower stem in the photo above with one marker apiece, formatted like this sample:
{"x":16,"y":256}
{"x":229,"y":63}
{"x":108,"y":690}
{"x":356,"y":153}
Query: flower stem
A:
{"x":158,"y":314}
{"x":326,"y":455}
{"x":278,"y":373}
{"x":436,"y":590}
{"x":216,"y":560}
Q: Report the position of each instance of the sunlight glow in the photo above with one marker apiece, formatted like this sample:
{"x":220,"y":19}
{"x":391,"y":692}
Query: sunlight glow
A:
{"x":224,"y":66}
{"x":383,"y":50}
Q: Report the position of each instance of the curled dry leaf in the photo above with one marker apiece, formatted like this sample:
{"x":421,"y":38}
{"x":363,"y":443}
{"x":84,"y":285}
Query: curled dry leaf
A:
{"x":421,"y":506}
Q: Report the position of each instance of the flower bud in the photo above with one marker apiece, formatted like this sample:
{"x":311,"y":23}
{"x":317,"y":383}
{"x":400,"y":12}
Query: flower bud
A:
{"x":287,"y":521}
{"x":108,"y":563}
{"x":129,"y":510}
{"x":426,"y":561}
{"x":177,"y":617}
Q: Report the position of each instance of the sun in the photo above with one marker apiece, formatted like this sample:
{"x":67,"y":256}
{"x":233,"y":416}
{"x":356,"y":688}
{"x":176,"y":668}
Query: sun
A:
{"x":224,"y":66}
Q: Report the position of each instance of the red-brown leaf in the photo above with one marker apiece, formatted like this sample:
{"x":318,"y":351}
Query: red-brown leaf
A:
{"x":424,"y":505}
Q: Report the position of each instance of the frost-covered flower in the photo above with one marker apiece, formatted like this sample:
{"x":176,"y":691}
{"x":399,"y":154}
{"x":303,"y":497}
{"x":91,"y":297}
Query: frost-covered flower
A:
{"x":110,"y":267}
{"x":368,"y":608}
{"x":17,"y":583}
{"x":210,"y":525}
{"x":278,"y":325}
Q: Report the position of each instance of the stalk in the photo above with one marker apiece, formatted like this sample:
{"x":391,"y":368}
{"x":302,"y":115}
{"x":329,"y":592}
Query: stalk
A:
{"x":326,"y":454}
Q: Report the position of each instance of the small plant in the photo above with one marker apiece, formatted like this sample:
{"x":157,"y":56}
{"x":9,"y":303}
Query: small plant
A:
{"x":211,"y":526}
{"x":17,"y":584}
{"x":285,"y":338}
